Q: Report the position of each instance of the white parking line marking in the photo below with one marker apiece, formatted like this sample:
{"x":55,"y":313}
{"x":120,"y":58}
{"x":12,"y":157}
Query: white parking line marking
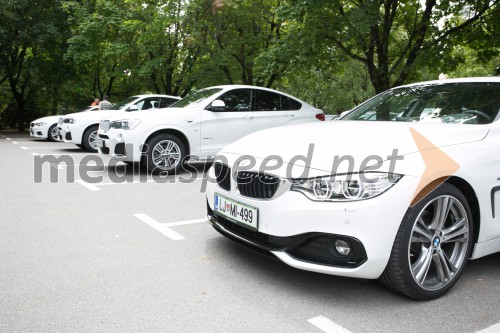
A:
{"x":52,"y":147}
{"x":326,"y":325}
{"x":491,"y":329}
{"x":159,"y":227}
{"x":173,"y":224}
{"x":31,"y":142}
{"x":57,"y":154}
{"x":23,"y":147}
{"x":90,"y":187}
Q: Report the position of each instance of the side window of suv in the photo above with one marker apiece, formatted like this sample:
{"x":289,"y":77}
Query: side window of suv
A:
{"x":166,"y":102}
{"x":292,"y":104}
{"x":267,"y":101}
{"x":148,"y":103}
{"x":237,"y":100}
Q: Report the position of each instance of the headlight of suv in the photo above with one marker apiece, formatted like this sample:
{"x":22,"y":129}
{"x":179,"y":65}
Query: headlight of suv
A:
{"x":40,"y":123}
{"x":127,"y":124}
{"x":348,"y":187}
{"x":69,"y":120}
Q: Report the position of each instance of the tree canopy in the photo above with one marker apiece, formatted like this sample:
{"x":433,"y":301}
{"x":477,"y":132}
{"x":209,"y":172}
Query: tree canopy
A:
{"x":57,"y":55}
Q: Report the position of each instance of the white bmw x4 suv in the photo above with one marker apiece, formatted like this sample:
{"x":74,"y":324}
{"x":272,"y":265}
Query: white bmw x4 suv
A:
{"x":199,"y":125}
{"x":81,"y":128}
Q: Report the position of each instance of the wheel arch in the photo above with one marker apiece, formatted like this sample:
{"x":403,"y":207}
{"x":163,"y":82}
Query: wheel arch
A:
{"x":171,"y":131}
{"x":88,"y":127}
{"x":468,"y":192}
{"x":471,"y":197}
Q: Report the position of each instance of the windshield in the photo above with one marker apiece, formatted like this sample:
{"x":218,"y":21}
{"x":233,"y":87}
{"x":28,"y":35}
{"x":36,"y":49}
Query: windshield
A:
{"x":456,"y":103}
{"x":123,"y":103}
{"x":199,"y":97}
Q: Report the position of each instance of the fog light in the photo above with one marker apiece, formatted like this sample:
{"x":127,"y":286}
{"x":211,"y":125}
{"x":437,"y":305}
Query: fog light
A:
{"x":343,"y":248}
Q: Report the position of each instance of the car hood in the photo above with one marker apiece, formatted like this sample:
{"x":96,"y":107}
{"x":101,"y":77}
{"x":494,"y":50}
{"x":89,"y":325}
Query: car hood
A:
{"x":154,"y":114}
{"x":104,"y":114}
{"x":47,"y":119}
{"x":321,"y":147}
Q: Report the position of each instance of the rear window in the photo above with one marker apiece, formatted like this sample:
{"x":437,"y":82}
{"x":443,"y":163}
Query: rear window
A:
{"x":270,"y":101}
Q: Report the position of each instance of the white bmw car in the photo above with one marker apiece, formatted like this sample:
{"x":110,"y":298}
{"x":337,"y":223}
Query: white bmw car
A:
{"x":199,"y":125}
{"x":405,"y":188}
{"x":81,"y":128}
{"x":46,"y":127}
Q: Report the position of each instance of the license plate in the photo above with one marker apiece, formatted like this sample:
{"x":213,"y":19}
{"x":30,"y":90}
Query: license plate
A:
{"x":237,"y":211}
{"x":99,"y":143}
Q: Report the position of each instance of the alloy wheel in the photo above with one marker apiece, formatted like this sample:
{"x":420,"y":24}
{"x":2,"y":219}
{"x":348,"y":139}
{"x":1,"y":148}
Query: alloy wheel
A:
{"x":438,"y":243}
{"x":93,"y":140}
{"x":166,"y":154}
{"x":54,"y":133}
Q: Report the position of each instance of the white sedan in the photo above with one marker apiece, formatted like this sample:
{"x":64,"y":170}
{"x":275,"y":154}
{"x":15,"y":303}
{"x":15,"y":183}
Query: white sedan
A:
{"x":81,"y":128}
{"x":406,"y":195}
{"x":199,"y":125}
{"x":46,"y":127}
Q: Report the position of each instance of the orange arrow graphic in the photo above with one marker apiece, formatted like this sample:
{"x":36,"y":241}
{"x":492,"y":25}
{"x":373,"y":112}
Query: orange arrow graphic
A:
{"x":438,"y":167}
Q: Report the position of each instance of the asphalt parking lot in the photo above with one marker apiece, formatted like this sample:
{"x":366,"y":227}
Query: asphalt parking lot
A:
{"x":138,"y":255}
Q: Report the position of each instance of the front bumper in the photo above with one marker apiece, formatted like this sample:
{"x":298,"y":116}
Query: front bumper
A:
{"x":65,"y":133}
{"x":120,"y":144}
{"x":40,"y":131}
{"x":299,"y":231}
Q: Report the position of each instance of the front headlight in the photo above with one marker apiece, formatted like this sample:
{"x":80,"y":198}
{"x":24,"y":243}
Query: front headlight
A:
{"x":348,"y":187}
{"x":40,"y":123}
{"x":69,"y":120}
{"x":127,"y":124}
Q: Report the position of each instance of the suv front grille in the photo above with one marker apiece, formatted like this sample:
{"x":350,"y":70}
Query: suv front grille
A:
{"x":223,"y":176}
{"x":257,"y":185}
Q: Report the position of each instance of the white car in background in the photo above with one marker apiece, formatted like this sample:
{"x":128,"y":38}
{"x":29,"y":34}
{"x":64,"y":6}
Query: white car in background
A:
{"x":199,"y":125}
{"x":46,"y":127}
{"x":406,"y":195}
{"x":81,"y":128}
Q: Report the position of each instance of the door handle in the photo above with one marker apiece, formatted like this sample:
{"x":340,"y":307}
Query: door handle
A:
{"x":289,"y":115}
{"x":247,"y":117}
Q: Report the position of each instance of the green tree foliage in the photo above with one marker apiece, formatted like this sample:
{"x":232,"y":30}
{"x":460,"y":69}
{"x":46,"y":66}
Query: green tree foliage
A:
{"x":32,"y":39}
{"x":173,"y":45}
{"x":57,"y":55}
{"x":330,"y":87}
{"x":389,"y":36}
{"x":104,"y":43}
{"x":252,"y":43}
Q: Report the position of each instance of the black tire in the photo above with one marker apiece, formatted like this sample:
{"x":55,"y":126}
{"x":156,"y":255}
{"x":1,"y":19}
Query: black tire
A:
{"x":173,"y":159}
{"x":51,"y":136}
{"x":88,"y":139}
{"x":427,"y":273}
{"x":80,"y":146}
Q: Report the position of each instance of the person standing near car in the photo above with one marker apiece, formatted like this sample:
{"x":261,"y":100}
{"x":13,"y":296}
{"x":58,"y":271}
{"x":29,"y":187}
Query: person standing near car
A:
{"x":95,"y":102}
{"x":105,"y":104}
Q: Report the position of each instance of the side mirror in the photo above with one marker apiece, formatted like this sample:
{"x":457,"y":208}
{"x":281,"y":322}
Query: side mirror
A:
{"x":218,"y":105}
{"x":133,"y":108}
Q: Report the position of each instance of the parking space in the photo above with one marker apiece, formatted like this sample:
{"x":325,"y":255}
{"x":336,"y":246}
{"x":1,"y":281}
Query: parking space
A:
{"x":129,"y":252}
